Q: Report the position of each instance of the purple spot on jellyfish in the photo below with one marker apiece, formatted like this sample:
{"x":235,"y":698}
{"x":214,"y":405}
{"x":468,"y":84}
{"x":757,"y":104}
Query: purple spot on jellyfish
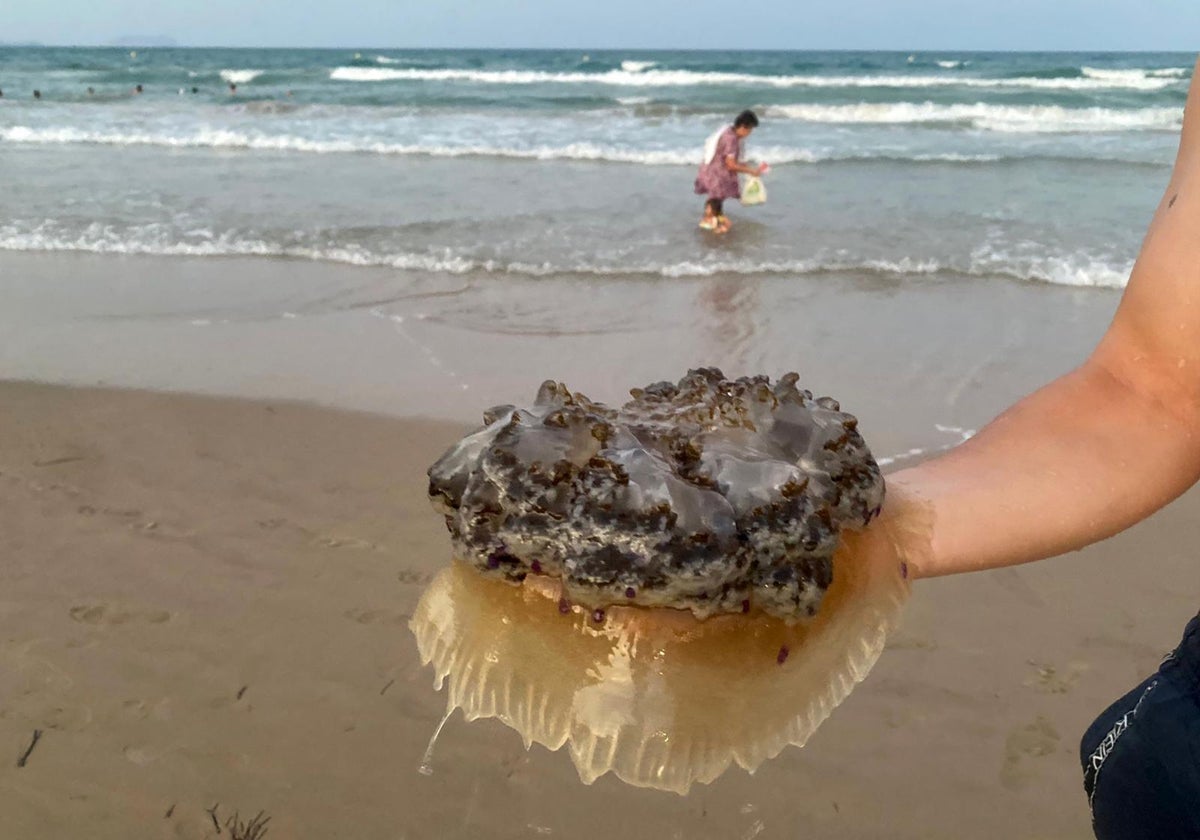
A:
{"x":535,"y":567}
{"x":904,"y":570}
{"x":564,"y":606}
{"x":782,"y":656}
{"x":630,"y":592}
{"x":598,"y":616}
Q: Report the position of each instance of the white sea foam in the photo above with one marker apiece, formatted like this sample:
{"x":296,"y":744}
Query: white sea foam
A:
{"x":637,"y":66}
{"x":950,"y":65}
{"x":1132,"y":76}
{"x":383,"y":59}
{"x":1001,"y":118}
{"x":686,"y":78}
{"x":1079,"y":270}
{"x":229,"y":139}
{"x":249,"y":141}
{"x":240,"y":77}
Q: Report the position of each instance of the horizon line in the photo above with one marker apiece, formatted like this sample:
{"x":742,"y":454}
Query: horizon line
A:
{"x":444,"y":48}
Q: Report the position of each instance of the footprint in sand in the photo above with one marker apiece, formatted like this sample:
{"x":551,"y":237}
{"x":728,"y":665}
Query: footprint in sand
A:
{"x":98,"y":614}
{"x":1051,"y":680}
{"x":1032,"y":741}
{"x":378,"y":616}
{"x":413,"y":577}
{"x":143,"y":709}
{"x":346,"y":542}
{"x":902,"y":640}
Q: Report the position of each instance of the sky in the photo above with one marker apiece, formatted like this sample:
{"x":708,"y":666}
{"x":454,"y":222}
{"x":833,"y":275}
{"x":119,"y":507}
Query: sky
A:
{"x":627,"y":24}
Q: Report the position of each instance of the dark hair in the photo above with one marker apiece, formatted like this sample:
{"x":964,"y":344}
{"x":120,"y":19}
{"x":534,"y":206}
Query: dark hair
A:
{"x":746,"y":119}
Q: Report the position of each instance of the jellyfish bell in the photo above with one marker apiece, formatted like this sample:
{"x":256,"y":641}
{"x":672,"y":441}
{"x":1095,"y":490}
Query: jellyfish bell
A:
{"x":667,"y":589}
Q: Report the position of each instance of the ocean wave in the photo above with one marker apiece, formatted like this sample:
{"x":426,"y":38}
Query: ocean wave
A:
{"x":1078,"y":270}
{"x":588,"y":152}
{"x":686,"y":78}
{"x":383,"y":59}
{"x":1133,"y":75}
{"x":1000,"y":118}
{"x":637,"y":66}
{"x":951,"y":65}
{"x":240,"y":77}
{"x":228,"y":139}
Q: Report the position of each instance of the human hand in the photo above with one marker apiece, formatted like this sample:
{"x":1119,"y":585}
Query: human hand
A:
{"x":900,"y":536}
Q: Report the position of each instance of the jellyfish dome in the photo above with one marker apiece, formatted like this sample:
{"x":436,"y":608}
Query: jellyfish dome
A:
{"x":669,"y":588}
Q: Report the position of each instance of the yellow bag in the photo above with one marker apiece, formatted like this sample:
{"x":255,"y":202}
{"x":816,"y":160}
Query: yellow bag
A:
{"x":754,"y":191}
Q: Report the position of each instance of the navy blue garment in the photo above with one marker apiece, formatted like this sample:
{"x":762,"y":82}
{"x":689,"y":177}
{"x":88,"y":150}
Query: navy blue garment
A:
{"x":1141,"y":757}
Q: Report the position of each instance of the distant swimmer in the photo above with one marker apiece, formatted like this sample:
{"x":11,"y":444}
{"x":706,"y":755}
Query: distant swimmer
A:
{"x":232,"y":89}
{"x":37,"y":94}
{"x":718,"y":177}
{"x":137,"y":89}
{"x":195,"y":90}
{"x":91,"y":91}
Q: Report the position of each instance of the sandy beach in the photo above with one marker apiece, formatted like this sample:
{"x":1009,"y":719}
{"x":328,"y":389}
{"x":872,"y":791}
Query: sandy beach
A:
{"x":204,"y":598}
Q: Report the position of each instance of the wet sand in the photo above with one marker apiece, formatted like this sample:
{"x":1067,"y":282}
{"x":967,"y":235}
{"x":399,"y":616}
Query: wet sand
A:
{"x":162,"y":554}
{"x":203,"y":602}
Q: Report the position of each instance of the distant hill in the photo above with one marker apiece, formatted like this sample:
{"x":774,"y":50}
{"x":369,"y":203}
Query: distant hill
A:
{"x":143,"y":41}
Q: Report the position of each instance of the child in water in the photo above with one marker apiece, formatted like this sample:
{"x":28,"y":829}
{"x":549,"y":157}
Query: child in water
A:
{"x":718,"y":178}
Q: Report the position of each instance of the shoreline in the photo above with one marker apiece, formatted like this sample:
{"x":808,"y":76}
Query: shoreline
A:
{"x":906,"y":357}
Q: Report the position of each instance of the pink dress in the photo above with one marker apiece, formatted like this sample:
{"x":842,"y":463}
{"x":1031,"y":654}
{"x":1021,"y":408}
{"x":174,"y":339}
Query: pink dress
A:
{"x":715,"y":179}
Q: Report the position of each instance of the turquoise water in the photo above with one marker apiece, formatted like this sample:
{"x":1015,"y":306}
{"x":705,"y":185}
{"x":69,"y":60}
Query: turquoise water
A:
{"x":1031,"y":167}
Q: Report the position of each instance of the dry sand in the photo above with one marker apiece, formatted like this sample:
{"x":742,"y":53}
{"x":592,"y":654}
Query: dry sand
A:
{"x":203,"y":602}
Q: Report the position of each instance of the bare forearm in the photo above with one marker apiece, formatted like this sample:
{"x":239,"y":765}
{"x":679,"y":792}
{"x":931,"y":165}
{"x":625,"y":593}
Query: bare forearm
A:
{"x":737,"y":166}
{"x":1073,"y":463}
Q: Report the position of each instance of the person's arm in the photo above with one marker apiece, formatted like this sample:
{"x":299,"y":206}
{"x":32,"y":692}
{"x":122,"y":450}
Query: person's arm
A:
{"x":731,"y":163}
{"x":1099,"y":449}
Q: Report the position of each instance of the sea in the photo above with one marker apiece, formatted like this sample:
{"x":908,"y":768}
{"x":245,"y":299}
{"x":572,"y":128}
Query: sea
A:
{"x":897,"y":166}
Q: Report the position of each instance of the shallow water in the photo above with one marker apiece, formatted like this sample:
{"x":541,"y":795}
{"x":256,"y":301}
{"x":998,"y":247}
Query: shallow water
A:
{"x":991,"y":167}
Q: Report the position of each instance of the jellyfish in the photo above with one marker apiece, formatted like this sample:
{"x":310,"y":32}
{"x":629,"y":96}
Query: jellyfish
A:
{"x":667,"y":589}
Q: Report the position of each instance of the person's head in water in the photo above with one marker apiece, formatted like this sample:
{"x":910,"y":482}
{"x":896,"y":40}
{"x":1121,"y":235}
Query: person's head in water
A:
{"x":232,"y":88}
{"x":745,"y":123}
{"x":138,"y":89}
{"x":37,"y":94}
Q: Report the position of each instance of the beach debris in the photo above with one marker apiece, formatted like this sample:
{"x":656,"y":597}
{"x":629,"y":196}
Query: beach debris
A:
{"x":703,"y":494}
{"x":37,"y":736}
{"x":253,"y":830}
{"x":212,"y":812}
